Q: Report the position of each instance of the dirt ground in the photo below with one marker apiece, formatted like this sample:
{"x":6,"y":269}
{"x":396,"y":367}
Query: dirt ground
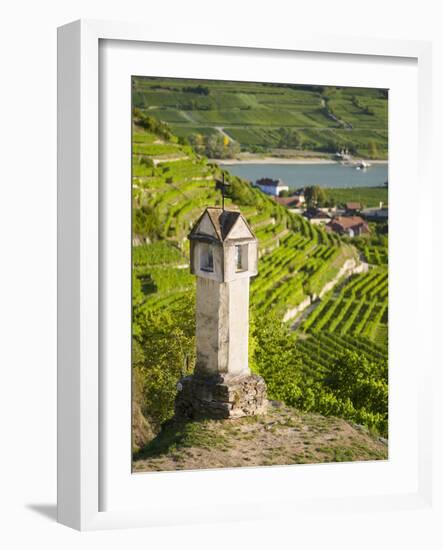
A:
{"x":283,"y":436}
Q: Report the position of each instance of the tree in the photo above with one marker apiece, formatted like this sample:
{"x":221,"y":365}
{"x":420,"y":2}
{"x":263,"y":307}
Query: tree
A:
{"x":240,"y":192}
{"x":197,"y":142}
{"x":289,"y":138}
{"x":202,"y":90}
{"x":148,"y":162}
{"x":151,"y":124}
{"x":146,"y":222}
{"x":219,"y":146}
{"x":315,"y":195}
{"x":352,"y":376}
{"x":276,"y":359}
{"x":233,"y":149}
{"x":215,"y":146}
{"x":372,"y":149}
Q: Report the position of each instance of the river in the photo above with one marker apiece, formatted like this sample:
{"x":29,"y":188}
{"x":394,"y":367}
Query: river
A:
{"x":301,"y":175}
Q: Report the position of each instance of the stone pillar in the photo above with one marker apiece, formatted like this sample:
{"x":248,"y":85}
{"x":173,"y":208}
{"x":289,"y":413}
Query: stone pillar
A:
{"x":222,"y":326}
{"x":223,"y":257}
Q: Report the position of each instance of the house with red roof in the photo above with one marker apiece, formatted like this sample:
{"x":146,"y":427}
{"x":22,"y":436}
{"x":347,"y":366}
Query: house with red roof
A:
{"x":352,"y":226}
{"x":353,"y":207}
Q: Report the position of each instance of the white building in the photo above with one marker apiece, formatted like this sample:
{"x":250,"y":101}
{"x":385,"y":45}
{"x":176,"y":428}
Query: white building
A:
{"x":271,"y":187}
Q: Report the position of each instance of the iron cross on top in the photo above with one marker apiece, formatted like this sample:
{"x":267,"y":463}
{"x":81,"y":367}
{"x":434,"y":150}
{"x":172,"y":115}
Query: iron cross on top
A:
{"x":222,"y":186}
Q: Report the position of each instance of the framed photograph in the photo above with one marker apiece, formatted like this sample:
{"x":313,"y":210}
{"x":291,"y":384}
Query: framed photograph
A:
{"x":239,"y":312}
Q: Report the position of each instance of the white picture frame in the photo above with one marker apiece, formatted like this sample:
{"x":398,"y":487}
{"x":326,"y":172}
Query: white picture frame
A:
{"x":83,"y":401}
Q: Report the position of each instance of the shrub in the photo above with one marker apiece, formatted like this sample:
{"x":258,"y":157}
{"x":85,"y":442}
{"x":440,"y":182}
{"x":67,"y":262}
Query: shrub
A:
{"x":163,"y":352}
{"x":146,"y":223}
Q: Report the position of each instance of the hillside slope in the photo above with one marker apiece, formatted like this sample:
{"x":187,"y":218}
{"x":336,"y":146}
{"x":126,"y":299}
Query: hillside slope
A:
{"x":283,"y":436}
{"x":269,"y":118}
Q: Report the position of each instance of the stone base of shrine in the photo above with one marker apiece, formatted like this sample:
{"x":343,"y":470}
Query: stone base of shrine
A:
{"x":220,"y":396}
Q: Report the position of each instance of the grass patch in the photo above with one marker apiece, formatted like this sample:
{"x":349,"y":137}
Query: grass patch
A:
{"x":177,"y":436}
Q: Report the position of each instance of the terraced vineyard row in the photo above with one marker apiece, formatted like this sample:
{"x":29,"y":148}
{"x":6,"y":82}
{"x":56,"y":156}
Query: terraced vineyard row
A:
{"x":319,"y":351}
{"x":376,"y":255}
{"x":359,"y":308}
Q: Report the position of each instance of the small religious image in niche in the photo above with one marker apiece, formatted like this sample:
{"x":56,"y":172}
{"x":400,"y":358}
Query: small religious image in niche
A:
{"x":259,"y":274}
{"x":207,"y":257}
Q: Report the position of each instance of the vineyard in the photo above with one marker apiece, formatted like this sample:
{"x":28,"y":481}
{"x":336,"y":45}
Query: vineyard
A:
{"x":301,"y":266}
{"x":359,"y":308}
{"x":344,"y":333}
{"x":319,"y":352}
{"x":351,"y":319}
{"x":366,"y":196}
{"x":266,"y":117}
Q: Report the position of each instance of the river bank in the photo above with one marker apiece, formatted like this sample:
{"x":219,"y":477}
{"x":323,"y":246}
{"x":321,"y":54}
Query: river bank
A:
{"x":273,"y":160}
{"x":289,"y":161}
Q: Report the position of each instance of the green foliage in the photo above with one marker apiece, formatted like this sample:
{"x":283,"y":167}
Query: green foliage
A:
{"x":149,"y":163}
{"x":276,"y":359}
{"x":353,"y":386}
{"x":203,"y":90}
{"x":241,"y":193}
{"x":289,"y":138}
{"x":163,"y":352}
{"x":372,"y":149}
{"x":214,"y":145}
{"x":352,"y":376}
{"x":315,"y":195}
{"x":145,"y":222}
{"x":151,"y":124}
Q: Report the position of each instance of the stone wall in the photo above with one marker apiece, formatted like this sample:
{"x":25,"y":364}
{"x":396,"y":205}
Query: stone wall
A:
{"x":220,"y":396}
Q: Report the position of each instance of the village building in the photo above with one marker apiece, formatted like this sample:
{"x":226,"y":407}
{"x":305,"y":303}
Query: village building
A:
{"x":271,"y":187}
{"x":351,"y":226}
{"x":224,"y":256}
{"x":353,"y":207}
{"x":290,"y":202}
{"x":317,"y":216}
{"x":380,"y":214}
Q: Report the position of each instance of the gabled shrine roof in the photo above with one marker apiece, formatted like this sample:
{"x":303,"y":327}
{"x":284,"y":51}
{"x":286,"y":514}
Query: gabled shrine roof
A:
{"x":226,"y":225}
